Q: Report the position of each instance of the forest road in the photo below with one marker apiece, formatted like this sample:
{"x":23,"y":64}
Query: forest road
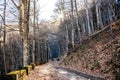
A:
{"x":51,"y":71}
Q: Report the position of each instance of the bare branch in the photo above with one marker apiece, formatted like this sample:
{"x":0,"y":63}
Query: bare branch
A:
{"x":12,"y":13}
{"x":15,"y":4}
{"x":2,"y":17}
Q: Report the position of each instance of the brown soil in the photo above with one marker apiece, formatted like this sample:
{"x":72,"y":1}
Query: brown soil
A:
{"x":100,"y":56}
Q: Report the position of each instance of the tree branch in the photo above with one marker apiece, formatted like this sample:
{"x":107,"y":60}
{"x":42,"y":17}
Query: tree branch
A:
{"x":12,"y":13}
{"x":15,"y":4}
{"x":2,"y":17}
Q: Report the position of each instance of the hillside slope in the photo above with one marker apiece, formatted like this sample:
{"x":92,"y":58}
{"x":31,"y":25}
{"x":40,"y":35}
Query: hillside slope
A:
{"x":98,"y":56}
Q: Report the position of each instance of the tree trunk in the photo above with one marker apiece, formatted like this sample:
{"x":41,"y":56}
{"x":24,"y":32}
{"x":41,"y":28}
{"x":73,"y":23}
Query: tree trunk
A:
{"x":66,"y":38}
{"x":110,"y":18}
{"x":4,"y":37}
{"x":98,"y":13}
{"x":87,"y":13}
{"x":34,"y":30}
{"x":77,"y":21}
{"x":50,"y":55}
{"x":26,"y":4}
{"x":72,"y":24}
{"x":21,"y":17}
{"x":47,"y":56}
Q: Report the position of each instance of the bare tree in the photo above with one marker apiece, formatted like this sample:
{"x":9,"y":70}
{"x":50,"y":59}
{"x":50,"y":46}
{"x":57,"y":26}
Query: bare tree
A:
{"x":67,"y":40}
{"x":26,"y":4}
{"x":98,"y":13}
{"x":20,"y":17}
{"x":110,"y":10}
{"x":34,"y":30}
{"x":72,"y":23}
{"x":87,"y":14}
{"x":4,"y":38}
{"x":77,"y":21}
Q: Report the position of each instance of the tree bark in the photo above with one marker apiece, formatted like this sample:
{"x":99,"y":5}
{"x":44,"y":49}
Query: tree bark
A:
{"x":66,"y":38}
{"x":98,"y":13}
{"x":87,"y":13}
{"x":26,"y":4}
{"x":21,"y":17}
{"x":110,"y":18}
{"x":34,"y":35}
{"x":72,"y":24}
{"x":4,"y":37}
{"x":77,"y":21}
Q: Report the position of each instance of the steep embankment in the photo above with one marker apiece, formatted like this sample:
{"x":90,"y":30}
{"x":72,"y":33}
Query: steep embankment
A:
{"x":98,"y":56}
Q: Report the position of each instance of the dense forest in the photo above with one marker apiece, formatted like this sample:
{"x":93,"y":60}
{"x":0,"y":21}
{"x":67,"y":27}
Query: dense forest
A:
{"x":26,"y":39}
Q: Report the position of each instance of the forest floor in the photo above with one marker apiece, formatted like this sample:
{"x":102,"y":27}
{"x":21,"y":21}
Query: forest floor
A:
{"x":44,"y":72}
{"x":51,"y":71}
{"x":98,"y":56}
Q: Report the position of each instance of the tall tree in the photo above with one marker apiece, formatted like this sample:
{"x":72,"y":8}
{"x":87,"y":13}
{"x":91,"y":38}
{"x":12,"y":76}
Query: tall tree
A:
{"x":98,"y":14}
{"x":34,"y":30}
{"x":24,"y":9}
{"x":26,"y":5}
{"x":20,"y":17}
{"x":87,"y":14}
{"x":20,"y":10}
{"x":72,"y":23}
{"x":4,"y":37}
{"x":67,"y":40}
{"x":77,"y":21}
{"x":110,"y":10}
